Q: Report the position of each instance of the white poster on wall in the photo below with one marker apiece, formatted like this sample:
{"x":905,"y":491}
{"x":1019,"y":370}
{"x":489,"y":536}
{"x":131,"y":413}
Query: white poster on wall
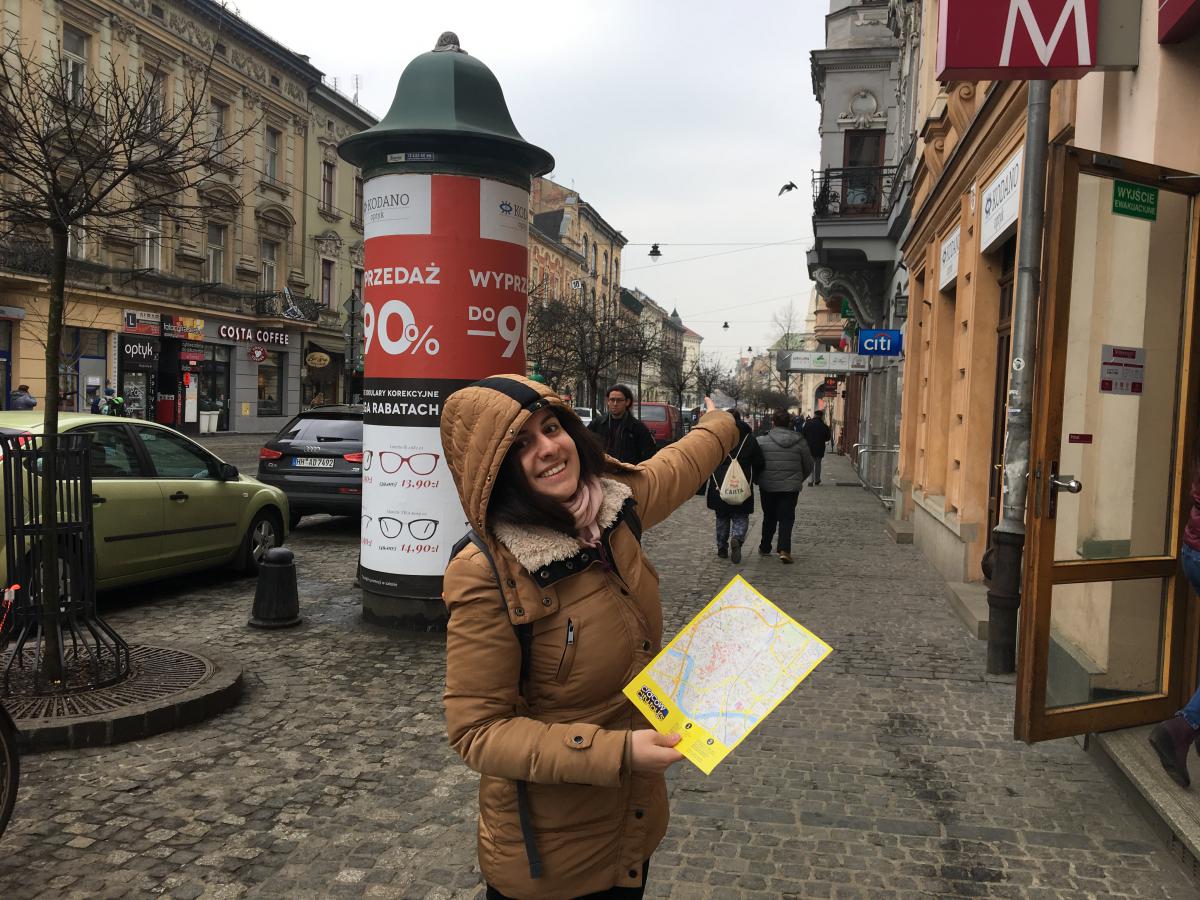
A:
{"x":1001,"y":204}
{"x":1122,"y":370}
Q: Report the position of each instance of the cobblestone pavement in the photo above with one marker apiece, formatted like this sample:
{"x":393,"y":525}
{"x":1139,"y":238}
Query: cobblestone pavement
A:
{"x":890,"y":773}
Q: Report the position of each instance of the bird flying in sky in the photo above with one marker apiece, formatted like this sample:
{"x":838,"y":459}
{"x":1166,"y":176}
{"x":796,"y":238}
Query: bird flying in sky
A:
{"x":790,"y":186}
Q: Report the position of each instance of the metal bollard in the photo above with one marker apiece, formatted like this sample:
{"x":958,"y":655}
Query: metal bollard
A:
{"x":276,"y":603}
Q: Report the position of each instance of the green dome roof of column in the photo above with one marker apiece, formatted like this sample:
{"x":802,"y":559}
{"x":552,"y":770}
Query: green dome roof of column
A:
{"x":450,"y":102}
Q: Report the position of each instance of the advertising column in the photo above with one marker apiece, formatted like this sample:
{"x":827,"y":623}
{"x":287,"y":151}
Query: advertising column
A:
{"x":446,"y":221}
{"x":444,"y":305}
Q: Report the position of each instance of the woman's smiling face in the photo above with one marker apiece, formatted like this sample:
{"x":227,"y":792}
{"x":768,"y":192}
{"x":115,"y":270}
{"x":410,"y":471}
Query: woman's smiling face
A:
{"x":548,"y":456}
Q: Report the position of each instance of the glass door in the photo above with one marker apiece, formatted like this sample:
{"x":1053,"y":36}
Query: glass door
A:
{"x":1104,"y":608}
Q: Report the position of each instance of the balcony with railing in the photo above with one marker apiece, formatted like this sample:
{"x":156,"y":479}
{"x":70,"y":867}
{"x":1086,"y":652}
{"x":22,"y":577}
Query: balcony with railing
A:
{"x":32,"y":258}
{"x":863,"y":192}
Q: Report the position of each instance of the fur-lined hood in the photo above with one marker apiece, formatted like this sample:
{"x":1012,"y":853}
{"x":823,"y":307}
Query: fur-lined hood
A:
{"x":479,"y":424}
{"x":535,"y":546}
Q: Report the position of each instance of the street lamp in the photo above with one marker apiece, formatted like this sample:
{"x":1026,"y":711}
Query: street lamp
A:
{"x":655,"y":253}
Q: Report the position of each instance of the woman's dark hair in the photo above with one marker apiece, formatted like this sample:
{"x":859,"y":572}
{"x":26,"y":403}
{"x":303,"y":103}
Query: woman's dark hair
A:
{"x":516,"y":502}
{"x":781,"y":417}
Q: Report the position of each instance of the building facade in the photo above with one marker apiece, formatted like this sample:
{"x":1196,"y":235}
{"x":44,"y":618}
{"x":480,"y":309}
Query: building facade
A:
{"x":208,"y":317}
{"x":331,"y":367}
{"x":1115,"y":362}
{"x":859,"y":211}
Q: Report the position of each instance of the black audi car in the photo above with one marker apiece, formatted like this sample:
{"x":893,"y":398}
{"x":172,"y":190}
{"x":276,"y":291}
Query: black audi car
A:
{"x":316,"y":459}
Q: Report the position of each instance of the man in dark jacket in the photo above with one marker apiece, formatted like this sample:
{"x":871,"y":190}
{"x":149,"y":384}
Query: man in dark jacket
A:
{"x":21,"y":398}
{"x":624,"y":437}
{"x":787,"y":461}
{"x":734,"y":521}
{"x":817,"y":433}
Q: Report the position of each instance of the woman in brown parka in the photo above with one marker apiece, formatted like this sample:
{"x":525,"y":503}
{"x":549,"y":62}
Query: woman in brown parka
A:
{"x":572,"y":794}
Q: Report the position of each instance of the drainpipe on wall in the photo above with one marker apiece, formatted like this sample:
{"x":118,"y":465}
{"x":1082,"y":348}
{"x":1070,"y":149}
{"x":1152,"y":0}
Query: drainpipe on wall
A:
{"x":1008,"y":540}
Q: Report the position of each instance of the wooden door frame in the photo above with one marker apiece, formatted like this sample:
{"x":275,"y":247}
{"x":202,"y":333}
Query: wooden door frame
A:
{"x":1181,"y":621}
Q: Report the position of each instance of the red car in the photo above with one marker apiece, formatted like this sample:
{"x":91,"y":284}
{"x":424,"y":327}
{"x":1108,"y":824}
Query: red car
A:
{"x":664,"y":421}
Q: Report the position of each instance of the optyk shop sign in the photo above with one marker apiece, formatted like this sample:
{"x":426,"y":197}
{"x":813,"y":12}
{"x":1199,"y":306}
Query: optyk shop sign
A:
{"x":1006,"y":40}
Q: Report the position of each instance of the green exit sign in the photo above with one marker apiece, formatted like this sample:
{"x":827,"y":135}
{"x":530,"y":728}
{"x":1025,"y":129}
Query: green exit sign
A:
{"x":1135,"y":200}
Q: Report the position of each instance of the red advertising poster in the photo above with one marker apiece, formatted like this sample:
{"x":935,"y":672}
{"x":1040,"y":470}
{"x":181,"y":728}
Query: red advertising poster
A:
{"x":1006,"y":40}
{"x":444,"y":303}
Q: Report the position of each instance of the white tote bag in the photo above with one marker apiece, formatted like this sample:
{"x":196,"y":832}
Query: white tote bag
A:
{"x":735,"y":488}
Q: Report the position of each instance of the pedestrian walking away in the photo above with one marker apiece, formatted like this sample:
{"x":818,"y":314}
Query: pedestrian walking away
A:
{"x":733,"y":521}
{"x":553,"y":605}
{"x":1174,"y":738}
{"x":21,"y":398}
{"x":817,"y":433}
{"x":787,"y":461}
{"x":623,"y":435}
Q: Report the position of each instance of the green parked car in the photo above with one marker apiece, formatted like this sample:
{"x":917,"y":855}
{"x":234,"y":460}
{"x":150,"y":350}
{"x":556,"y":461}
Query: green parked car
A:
{"x":162,"y":504}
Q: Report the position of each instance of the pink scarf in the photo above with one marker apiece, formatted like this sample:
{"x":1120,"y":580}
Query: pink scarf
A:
{"x":584,"y":505}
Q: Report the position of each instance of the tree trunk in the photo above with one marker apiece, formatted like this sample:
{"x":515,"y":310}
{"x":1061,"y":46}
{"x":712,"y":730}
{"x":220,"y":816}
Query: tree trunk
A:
{"x":53,"y":666}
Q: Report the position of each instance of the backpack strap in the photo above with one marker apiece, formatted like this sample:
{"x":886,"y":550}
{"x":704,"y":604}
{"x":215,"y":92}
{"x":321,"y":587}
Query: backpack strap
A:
{"x":524,"y":633}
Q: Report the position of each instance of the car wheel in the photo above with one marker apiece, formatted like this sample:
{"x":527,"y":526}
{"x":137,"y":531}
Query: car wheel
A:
{"x":294,"y":520}
{"x":264,"y":533}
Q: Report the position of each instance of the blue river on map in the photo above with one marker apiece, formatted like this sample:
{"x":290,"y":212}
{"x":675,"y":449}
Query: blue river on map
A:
{"x":688,"y":664}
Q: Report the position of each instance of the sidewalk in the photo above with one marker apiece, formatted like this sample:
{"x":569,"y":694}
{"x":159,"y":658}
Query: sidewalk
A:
{"x":891,"y":772}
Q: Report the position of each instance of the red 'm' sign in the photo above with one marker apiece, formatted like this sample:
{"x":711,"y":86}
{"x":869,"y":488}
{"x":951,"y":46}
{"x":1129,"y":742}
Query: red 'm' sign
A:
{"x":1012,"y":40}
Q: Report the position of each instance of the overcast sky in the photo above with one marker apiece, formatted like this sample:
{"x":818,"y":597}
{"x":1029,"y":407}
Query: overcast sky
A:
{"x":678,"y":120}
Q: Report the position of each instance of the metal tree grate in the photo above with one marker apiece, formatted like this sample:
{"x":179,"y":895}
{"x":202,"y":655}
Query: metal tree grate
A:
{"x":88,"y":652}
{"x":156,"y":673}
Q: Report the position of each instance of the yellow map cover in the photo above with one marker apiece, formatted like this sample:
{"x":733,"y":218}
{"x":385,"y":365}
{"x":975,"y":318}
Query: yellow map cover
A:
{"x":725,"y":672}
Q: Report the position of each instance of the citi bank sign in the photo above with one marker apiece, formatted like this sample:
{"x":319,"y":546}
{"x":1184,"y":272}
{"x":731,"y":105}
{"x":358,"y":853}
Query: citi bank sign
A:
{"x":1012,"y":40}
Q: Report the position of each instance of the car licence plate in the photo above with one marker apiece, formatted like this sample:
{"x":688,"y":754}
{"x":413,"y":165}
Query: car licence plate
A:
{"x":312,"y":462}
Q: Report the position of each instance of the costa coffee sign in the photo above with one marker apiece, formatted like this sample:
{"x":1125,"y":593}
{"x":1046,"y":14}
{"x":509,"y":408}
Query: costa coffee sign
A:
{"x":254,"y":335}
{"x":1013,"y":40}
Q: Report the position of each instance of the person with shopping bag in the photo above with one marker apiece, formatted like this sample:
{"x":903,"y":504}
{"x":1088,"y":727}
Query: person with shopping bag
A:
{"x":731,"y":494}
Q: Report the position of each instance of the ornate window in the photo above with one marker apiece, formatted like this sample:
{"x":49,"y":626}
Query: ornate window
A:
{"x":328,"y":174}
{"x":149,"y":240}
{"x":74,"y":61}
{"x":217,"y":237}
{"x":269,"y":255}
{"x":272,"y":154}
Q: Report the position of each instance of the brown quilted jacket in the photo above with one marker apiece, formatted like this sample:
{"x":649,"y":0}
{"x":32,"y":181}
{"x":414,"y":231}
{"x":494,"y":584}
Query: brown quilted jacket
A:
{"x":593,"y":628}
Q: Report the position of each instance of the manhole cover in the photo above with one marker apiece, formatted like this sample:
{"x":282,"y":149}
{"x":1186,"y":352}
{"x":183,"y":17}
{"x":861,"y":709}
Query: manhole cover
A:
{"x":155,"y":673}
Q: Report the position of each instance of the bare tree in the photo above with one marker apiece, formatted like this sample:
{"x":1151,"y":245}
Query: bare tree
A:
{"x":84,"y":155}
{"x":707,"y":373}
{"x":643,"y":341}
{"x":544,"y":346}
{"x":733,"y":382}
{"x":788,"y":325}
{"x":595,"y":334}
{"x":674,"y":373}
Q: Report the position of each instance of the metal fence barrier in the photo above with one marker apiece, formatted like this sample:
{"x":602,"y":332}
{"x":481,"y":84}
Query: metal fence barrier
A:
{"x":883,"y":490}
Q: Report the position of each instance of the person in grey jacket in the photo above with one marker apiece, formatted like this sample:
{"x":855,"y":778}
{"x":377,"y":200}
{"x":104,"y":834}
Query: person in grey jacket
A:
{"x":787,"y":462}
{"x":21,"y":398}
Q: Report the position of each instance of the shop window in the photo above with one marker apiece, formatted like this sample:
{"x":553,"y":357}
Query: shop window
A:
{"x":215,"y":271}
{"x":149,"y":246}
{"x":270,"y":384}
{"x":272,"y":154}
{"x":174,"y":456}
{"x":327,"y":283}
{"x":269,"y":254}
{"x":328,"y":171}
{"x":74,"y":62}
